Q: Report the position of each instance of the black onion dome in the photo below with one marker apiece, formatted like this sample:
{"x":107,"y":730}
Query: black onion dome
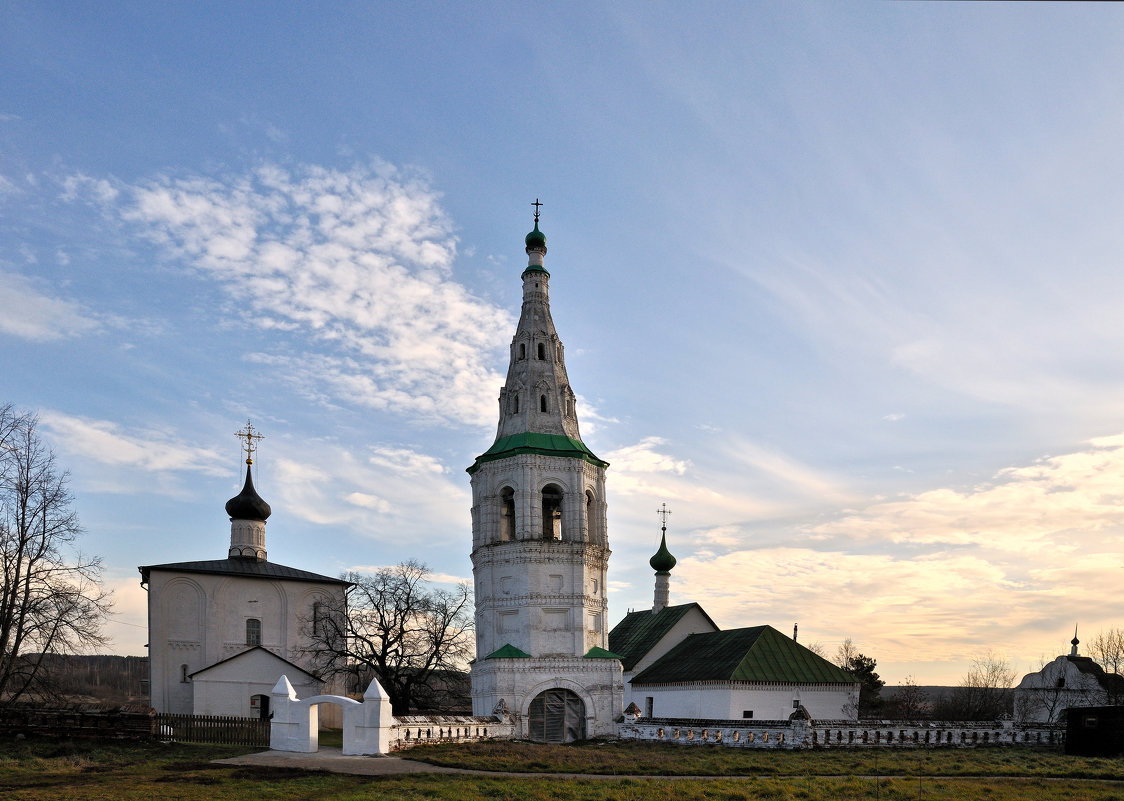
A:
{"x":247,"y":504}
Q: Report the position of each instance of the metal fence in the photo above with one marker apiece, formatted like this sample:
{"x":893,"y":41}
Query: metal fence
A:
{"x":213,"y":729}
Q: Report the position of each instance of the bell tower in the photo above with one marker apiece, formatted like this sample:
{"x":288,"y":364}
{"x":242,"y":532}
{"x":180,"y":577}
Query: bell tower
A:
{"x":540,"y":551}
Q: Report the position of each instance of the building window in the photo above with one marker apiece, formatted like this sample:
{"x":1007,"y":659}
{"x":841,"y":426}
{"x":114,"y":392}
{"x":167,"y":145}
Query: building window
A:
{"x":542,"y":351}
{"x":795,"y":703}
{"x":253,"y":631}
{"x":316,"y":606}
{"x":747,"y":714}
{"x":507,"y":514}
{"x":183,"y":672}
{"x":552,"y":512}
{"x":522,"y":351}
{"x":515,"y":405}
{"x":649,"y":704}
{"x":542,"y":403}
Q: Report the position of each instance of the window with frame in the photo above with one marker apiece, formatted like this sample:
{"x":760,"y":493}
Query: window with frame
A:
{"x":253,"y":631}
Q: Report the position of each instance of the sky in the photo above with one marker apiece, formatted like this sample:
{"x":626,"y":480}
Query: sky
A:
{"x":840,"y":283}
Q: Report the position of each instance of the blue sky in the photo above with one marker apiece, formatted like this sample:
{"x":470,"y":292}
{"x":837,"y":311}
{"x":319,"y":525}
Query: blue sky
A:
{"x":839,"y":283}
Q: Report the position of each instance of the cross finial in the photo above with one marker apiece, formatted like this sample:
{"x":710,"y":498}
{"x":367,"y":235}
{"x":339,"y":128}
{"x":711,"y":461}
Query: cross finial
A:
{"x":249,"y":436}
{"x":536,"y":204}
{"x":663,"y":513}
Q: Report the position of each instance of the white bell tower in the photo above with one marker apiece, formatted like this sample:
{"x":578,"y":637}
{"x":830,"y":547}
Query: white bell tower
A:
{"x":539,"y":545}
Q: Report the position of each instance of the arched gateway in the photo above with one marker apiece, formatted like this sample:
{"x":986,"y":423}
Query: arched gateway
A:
{"x":556,"y":716}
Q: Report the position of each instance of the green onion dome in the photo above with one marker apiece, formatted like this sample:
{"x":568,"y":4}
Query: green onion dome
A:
{"x":663,"y":561}
{"x":536,"y":240}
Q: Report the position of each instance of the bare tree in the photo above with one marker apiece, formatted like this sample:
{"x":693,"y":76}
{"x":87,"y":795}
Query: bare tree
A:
{"x":847,"y":656}
{"x":1107,"y":650}
{"x":396,"y":626}
{"x":983,"y":694}
{"x":52,"y":601}
{"x":909,"y":702}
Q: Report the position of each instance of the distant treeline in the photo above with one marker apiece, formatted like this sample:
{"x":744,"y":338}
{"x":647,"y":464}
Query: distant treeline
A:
{"x":109,"y":679}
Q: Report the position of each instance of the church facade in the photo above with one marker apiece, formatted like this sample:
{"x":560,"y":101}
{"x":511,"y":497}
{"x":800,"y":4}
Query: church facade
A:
{"x":222,"y":631}
{"x":540,"y":548}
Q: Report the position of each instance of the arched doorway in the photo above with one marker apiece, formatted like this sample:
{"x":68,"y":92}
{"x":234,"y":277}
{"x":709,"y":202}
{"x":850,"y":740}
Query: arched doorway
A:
{"x":259,"y":704}
{"x":556,"y":716}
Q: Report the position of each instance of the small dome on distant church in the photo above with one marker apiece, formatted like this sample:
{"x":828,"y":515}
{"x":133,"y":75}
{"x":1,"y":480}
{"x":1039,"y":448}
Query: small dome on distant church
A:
{"x":663,"y":561}
{"x":247,"y":504}
{"x":536,"y":240}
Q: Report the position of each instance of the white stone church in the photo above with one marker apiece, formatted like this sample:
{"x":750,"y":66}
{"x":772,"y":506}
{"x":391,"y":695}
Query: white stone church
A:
{"x":221,"y":632}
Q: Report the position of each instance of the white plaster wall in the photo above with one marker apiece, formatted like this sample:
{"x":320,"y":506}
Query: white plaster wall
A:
{"x":197,"y":619}
{"x":728,"y":700}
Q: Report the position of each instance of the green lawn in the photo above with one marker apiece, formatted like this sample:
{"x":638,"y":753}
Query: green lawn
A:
{"x":45,"y":770}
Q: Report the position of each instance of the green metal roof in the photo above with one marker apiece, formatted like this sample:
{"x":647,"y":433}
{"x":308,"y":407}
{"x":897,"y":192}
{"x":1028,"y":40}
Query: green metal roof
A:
{"x":542,"y":444}
{"x":597,"y":652}
{"x":509,"y":651}
{"x":759,"y":654}
{"x":639,"y":632}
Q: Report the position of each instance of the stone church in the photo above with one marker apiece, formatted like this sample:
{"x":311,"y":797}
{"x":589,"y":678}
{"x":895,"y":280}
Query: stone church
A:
{"x":221,"y":632}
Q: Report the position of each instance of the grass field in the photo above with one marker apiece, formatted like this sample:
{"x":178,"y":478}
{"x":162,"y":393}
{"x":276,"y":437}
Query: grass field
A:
{"x":49,"y":770}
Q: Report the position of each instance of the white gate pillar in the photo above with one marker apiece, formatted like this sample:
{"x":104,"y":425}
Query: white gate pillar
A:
{"x":291,"y":728}
{"x":372,"y":723}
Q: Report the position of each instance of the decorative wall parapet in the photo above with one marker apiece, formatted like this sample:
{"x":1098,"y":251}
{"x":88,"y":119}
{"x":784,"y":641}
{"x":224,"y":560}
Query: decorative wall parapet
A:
{"x":411,"y":730}
{"x":841,"y":733}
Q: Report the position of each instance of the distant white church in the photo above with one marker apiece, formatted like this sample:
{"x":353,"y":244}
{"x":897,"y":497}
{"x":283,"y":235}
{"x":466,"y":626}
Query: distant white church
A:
{"x":223,"y":631}
{"x":1068,"y":681}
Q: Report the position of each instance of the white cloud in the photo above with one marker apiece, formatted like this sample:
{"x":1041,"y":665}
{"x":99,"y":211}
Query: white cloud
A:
{"x":397,"y":504}
{"x":27,"y":313}
{"x":937,"y":577}
{"x":127,"y":626}
{"x":358,"y":260}
{"x":103,"y":442}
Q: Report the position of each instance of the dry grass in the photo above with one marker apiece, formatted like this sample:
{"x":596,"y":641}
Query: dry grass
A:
{"x":45,"y":770}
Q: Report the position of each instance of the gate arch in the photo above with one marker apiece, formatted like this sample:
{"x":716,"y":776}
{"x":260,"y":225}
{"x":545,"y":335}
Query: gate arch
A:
{"x":556,"y":715}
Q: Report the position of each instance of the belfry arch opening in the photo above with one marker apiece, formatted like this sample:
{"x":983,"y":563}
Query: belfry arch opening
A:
{"x":542,"y":403}
{"x":542,"y":351}
{"x":507,"y":514}
{"x":592,"y":522}
{"x":556,"y":716}
{"x":552,"y":512}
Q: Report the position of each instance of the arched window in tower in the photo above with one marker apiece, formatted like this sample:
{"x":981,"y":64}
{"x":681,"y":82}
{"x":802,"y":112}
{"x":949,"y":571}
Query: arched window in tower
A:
{"x":552,"y":512}
{"x":593,"y":530}
{"x":522,"y":351}
{"x":253,"y":631}
{"x":507,"y":514}
{"x":515,"y":403}
{"x":542,"y":351}
{"x":542,"y":403}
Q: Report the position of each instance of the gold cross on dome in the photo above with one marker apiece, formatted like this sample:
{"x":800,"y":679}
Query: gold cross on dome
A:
{"x":249,"y":436}
{"x":663,"y":512}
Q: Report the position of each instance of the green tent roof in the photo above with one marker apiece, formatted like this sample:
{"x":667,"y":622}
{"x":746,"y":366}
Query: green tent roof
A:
{"x":639,"y":632}
{"x":597,"y":652}
{"x":509,"y":651}
{"x":543,"y":444}
{"x":759,"y":654}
